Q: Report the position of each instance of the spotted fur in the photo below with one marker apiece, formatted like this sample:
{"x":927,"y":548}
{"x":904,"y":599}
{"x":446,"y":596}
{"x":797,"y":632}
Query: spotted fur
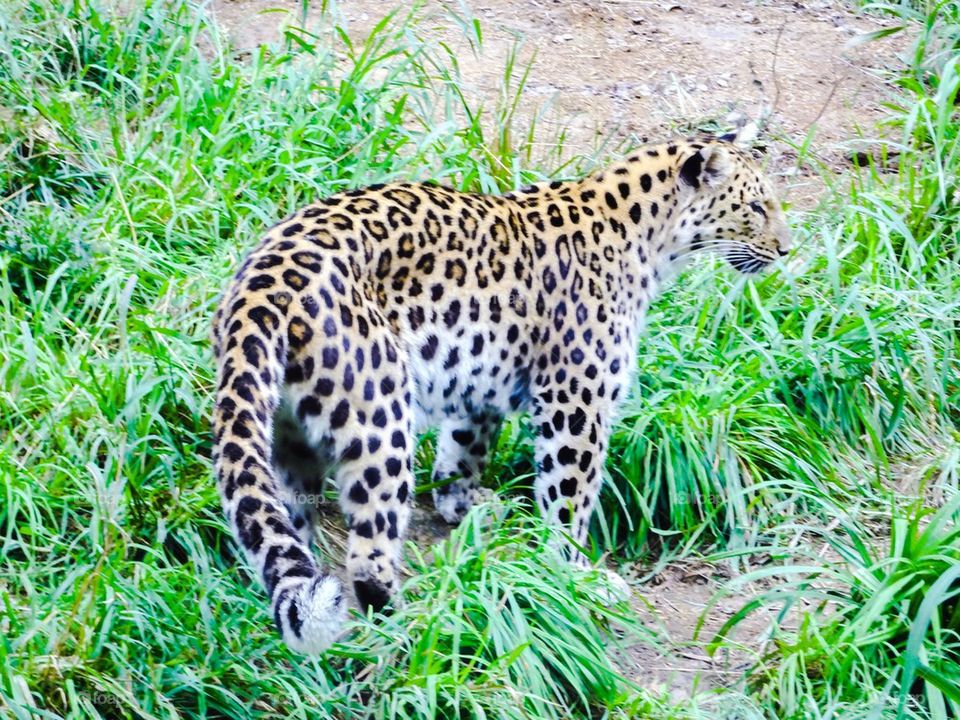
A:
{"x":374,"y":313}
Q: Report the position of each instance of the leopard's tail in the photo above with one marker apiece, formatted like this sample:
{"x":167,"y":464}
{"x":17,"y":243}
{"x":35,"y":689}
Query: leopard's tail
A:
{"x":250,"y":339}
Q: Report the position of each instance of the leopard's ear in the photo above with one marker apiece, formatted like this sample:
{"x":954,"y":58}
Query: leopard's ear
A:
{"x":744,"y":136}
{"x":711,"y":165}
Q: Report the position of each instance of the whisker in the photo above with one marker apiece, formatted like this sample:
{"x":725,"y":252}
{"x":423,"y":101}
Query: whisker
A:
{"x":711,"y":244}
{"x":717,"y":247}
{"x":729,"y":255}
{"x":739,"y":253}
{"x":723,"y":247}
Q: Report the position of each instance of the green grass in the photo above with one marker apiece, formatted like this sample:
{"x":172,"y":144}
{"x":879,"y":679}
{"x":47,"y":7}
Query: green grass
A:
{"x":142,"y":162}
{"x":871,"y":627}
{"x":139,"y":160}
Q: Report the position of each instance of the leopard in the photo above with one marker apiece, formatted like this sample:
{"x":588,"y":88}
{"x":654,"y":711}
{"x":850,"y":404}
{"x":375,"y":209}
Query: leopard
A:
{"x":371,"y":315}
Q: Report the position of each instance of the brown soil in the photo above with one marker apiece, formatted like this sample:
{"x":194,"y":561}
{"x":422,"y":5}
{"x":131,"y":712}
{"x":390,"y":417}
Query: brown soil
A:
{"x":675,"y":603}
{"x":606,"y":71}
{"x":615,"y":70}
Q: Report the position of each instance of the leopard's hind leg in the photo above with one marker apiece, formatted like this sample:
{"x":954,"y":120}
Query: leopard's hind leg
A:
{"x":463,"y":446}
{"x":303,"y":468}
{"x":358,"y":395}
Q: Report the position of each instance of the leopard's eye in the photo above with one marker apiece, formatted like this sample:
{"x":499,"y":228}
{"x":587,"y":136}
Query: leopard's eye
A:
{"x":758,"y":208}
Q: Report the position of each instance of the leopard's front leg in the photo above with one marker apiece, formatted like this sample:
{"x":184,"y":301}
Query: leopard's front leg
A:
{"x":570,"y":451}
{"x":573,"y":410}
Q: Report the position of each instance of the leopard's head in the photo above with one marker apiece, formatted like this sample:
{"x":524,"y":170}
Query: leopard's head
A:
{"x":729,"y":207}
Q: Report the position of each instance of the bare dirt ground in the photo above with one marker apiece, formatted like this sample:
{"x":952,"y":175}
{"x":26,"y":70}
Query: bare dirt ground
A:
{"x":614,"y":70}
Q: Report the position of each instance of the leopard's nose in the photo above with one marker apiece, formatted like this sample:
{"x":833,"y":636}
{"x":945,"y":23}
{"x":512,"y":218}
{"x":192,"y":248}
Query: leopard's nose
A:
{"x":783,"y":251}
